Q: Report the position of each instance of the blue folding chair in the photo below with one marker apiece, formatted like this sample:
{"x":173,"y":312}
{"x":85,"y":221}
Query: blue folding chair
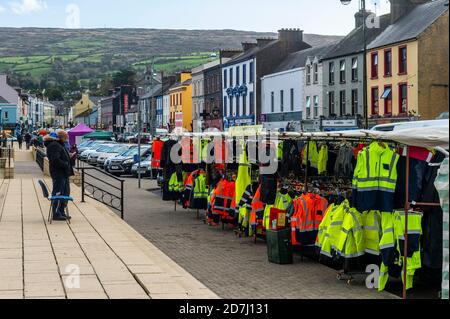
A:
{"x":47,"y":195}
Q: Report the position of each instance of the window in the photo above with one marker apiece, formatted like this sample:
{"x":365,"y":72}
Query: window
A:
{"x":281,"y":101}
{"x":244,"y":105}
{"x":252,"y":103}
{"x":342,"y":71}
{"x":316,"y":73}
{"x":388,"y":63}
{"x":272,"y":102}
{"x":232,"y":113}
{"x":308,"y":107}
{"x":252,"y":71}
{"x":225,"y":78}
{"x":244,"y":74}
{"x":354,"y":102}
{"x":387,"y":96}
{"x":6,"y":116}
{"x":403,"y":98}
{"x":231,"y":78}
{"x":331,"y":102}
{"x":343,"y":100}
{"x":375,"y":101}
{"x":355,"y":69}
{"x":331,"y":73}
{"x":176,"y":103}
{"x":308,"y":74}
{"x":238,"y":106}
{"x":225,"y":105}
{"x":374,"y":65}
{"x":237,"y":75}
{"x":316,"y":106}
{"x":402,"y":60}
{"x":292,"y":100}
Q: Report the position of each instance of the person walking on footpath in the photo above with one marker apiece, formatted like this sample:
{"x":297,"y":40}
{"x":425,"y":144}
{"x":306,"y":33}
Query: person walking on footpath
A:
{"x":28,"y":140}
{"x":19,"y":139}
{"x":61,"y":170}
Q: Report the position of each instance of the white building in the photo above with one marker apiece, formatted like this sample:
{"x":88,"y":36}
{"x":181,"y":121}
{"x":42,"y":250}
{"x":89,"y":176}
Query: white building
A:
{"x":198,"y":96}
{"x":166,"y":109}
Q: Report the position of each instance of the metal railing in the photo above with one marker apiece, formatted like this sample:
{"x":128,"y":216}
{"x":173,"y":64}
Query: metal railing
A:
{"x":41,"y":154}
{"x":94,"y":184}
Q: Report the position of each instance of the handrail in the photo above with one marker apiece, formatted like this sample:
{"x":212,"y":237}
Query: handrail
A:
{"x":100,"y":171}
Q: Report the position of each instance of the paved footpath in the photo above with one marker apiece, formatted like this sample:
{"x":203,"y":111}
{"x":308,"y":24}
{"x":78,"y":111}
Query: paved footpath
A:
{"x":38,"y":260}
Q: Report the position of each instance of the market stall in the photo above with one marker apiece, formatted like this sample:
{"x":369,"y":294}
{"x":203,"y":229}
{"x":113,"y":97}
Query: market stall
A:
{"x":347,"y":199}
{"x":76,"y":134}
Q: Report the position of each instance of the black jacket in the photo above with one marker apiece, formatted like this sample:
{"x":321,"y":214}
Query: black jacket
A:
{"x":59,"y":160}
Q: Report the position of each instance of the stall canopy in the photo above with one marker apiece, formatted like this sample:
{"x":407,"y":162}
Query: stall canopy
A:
{"x":79,"y":130}
{"x":99,"y":135}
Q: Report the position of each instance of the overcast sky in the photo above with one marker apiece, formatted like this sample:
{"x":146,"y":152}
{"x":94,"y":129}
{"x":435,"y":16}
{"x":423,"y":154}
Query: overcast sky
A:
{"x":313,"y":16}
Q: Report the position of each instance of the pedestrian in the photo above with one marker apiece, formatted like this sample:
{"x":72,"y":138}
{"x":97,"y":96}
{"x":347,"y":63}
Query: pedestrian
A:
{"x":4,"y":139}
{"x":27,"y":139}
{"x":61,"y":170}
{"x":73,"y":154}
{"x":19,"y":139}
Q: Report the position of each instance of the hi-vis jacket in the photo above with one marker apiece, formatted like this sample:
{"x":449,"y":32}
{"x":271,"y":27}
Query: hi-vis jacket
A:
{"x":223,"y":199}
{"x":176,"y":186}
{"x":157,"y":149}
{"x":375,"y":178}
{"x":372,"y":232}
{"x":282,"y":201}
{"x":257,"y":213}
{"x":351,"y":240}
{"x":245,"y":207}
{"x":310,"y":152}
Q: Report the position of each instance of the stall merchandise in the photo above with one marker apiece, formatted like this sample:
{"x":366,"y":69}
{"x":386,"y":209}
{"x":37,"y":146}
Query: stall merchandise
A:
{"x":336,"y":192}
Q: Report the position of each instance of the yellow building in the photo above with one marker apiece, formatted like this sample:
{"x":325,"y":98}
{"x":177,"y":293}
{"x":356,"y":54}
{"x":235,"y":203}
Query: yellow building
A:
{"x":83,"y":105}
{"x":407,"y":66}
{"x":180,"y":95}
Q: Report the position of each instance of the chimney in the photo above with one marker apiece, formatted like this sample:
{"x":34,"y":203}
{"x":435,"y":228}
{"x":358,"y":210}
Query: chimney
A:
{"x":400,"y":8}
{"x":229,"y":53}
{"x":360,"y":17}
{"x":248,"y":45}
{"x":263,"y":41}
{"x":290,"y":35}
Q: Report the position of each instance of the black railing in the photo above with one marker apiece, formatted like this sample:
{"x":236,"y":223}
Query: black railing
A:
{"x":41,"y":154}
{"x":94,"y":184}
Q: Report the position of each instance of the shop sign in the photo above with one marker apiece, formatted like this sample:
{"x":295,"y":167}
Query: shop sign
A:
{"x":340,"y":123}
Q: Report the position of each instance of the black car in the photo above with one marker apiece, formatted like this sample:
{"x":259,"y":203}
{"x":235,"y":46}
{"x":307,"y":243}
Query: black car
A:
{"x":121,"y":165}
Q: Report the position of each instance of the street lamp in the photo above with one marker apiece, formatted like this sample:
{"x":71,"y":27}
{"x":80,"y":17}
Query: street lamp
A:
{"x":365,"y":110}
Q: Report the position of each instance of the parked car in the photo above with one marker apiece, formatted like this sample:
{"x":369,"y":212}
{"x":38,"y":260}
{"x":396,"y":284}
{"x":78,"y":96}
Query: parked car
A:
{"x":121,"y":165}
{"x":88,"y":146}
{"x":145,"y":167}
{"x":92,"y":149}
{"x":93,"y":156}
{"x":112,"y":152}
{"x":146,"y":138}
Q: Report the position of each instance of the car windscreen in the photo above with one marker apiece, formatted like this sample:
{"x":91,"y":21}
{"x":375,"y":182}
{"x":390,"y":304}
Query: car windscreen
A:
{"x":118,"y":149}
{"x":128,"y":152}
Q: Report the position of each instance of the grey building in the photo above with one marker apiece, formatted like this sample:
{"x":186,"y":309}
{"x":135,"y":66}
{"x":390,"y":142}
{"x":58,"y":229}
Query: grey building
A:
{"x":343,"y":75}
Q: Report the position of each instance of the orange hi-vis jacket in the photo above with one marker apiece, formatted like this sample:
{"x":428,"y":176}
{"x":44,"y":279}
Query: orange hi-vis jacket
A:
{"x":309,"y":211}
{"x":257,"y":213}
{"x":223,"y":199}
{"x":189,"y":186}
{"x":157,"y":153}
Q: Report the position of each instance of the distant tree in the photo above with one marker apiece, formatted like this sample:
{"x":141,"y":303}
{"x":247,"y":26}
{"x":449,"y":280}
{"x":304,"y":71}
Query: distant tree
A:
{"x":124,"y":76}
{"x":54,"y":94}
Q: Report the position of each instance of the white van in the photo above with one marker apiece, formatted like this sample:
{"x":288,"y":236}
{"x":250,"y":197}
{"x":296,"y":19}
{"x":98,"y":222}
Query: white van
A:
{"x":409,"y":125}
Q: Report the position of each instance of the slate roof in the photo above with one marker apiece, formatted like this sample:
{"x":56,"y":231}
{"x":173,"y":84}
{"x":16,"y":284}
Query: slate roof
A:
{"x":411,"y":25}
{"x":250,"y":53}
{"x":298,"y":59}
{"x":2,"y":100}
{"x":354,"y":42}
{"x":152,"y":92}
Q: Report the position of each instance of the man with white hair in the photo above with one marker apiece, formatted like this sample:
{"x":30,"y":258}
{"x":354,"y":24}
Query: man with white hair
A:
{"x":60,"y":170}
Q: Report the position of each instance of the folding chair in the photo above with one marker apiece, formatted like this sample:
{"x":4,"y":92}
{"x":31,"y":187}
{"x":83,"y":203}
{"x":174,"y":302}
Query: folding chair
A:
{"x":47,"y":195}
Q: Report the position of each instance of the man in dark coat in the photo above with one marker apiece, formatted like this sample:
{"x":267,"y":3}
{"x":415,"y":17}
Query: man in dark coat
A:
{"x":60,"y":170}
{"x":28,"y":139}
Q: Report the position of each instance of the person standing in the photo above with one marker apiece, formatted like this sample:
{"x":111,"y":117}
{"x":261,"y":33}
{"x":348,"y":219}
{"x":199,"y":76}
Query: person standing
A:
{"x":61,"y":170}
{"x":28,"y":140}
{"x":19,"y":139}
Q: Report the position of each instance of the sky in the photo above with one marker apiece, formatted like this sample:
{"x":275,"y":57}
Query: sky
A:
{"x":313,"y":16}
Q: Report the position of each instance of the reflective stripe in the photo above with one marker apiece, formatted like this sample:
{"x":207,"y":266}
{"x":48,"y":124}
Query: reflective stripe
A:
{"x":391,"y":167}
{"x":371,"y":228}
{"x":388,"y":230}
{"x":352,"y":255}
{"x":307,"y":230}
{"x":345,"y":230}
{"x":372,"y":252}
{"x":392,"y":245}
{"x":375,"y":188}
{"x":336,"y":223}
{"x":325,"y":253}
{"x":356,"y":220}
{"x":376,"y":179}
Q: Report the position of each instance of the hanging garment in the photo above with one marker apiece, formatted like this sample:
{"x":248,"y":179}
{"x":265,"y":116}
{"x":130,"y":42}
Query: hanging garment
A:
{"x":282,"y":202}
{"x":442,"y":186}
{"x":290,"y":160}
{"x":323,"y":230}
{"x":311,"y":154}
{"x":200,"y":191}
{"x":257,"y":214}
{"x":322,"y":160}
{"x":166,"y":161}
{"x":269,"y":185}
{"x":417,"y":172}
{"x":223,"y":200}
{"x":308,"y":213}
{"x":387,"y":248}
{"x":245,"y":207}
{"x":372,"y":232}
{"x":157,"y":149}
{"x":244,"y":178}
{"x":418,"y":153}
{"x":375,"y":179}
{"x":188,"y":188}
{"x":350,"y":245}
{"x":176,"y":186}
{"x":344,"y":162}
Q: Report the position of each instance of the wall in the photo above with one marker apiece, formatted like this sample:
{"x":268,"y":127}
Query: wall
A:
{"x":187,"y":108}
{"x":411,"y":78}
{"x":166,"y":110}
{"x":312,"y":90}
{"x":434,"y":70}
{"x":349,"y":85}
{"x":287,"y":80}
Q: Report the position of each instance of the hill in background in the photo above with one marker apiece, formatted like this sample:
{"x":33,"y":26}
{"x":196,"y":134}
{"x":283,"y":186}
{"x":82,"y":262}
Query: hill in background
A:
{"x":38,"y":58}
